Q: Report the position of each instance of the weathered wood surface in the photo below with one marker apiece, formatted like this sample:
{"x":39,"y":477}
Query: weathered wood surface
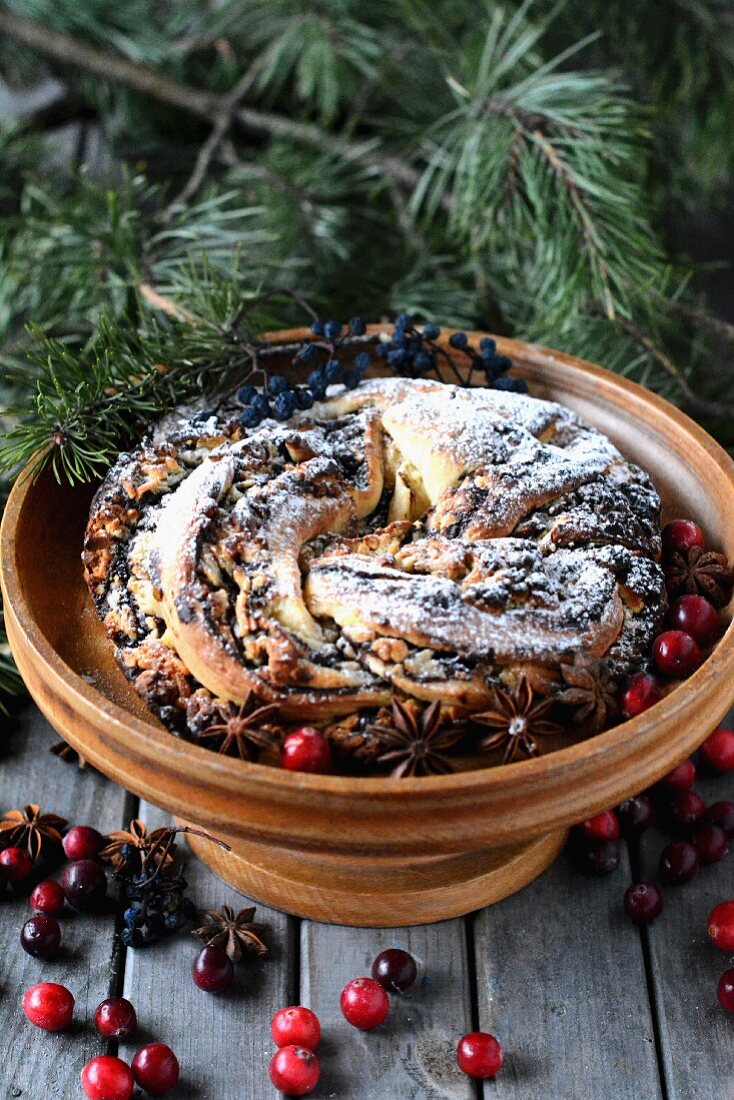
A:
{"x":557,"y":972}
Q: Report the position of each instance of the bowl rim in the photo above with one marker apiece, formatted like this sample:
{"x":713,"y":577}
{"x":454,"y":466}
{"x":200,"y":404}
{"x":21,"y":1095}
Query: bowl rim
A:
{"x":149,"y":740}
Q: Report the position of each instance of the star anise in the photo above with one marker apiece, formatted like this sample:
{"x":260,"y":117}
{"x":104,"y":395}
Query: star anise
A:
{"x":239,"y":729}
{"x":65,"y":752}
{"x":152,"y":846}
{"x":235,"y":933}
{"x":700,"y":572}
{"x":518,"y":720}
{"x":30,"y":829}
{"x":414,"y":740}
{"x":591,"y":692}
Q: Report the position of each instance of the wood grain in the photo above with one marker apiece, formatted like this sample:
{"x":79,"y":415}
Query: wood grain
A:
{"x":315,"y":833}
{"x":34,"y":1062}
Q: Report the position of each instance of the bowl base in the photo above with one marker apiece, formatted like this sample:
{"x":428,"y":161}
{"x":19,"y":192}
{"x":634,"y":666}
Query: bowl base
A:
{"x":377,"y":893}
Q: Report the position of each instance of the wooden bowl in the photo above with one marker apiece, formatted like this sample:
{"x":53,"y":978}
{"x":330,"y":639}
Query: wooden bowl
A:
{"x":373,"y":851}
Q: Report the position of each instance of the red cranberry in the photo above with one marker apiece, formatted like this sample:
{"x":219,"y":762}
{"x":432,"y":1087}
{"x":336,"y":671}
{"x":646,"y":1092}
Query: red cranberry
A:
{"x":156,"y":1069}
{"x":712,"y":843}
{"x":641,"y":693}
{"x":41,"y":937}
{"x":107,"y":1078}
{"x":722,"y":814}
{"x":687,"y":810}
{"x":82,"y":842}
{"x":15,"y":864}
{"x":364,"y":1003}
{"x":295,"y":1070}
{"x":681,"y":534}
{"x":296,"y":1026}
{"x":725,"y":991}
{"x":718,"y":750}
{"x":697,"y":616}
{"x":479,"y":1055}
{"x":395,"y":970}
{"x":720,"y":926}
{"x":306,"y":750}
{"x":115,"y":1018}
{"x":49,"y":1006}
{"x":604,"y":826}
{"x":681,"y":778}
{"x":598,"y":859}
{"x":678,"y":862}
{"x":212,"y":970}
{"x":643,"y":902}
{"x":636,"y":814}
{"x":84,"y":884}
{"x":676,"y":654}
{"x":48,"y":898}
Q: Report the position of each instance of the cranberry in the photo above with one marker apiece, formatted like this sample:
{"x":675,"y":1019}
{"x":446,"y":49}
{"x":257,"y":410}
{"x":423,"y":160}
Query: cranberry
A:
{"x":84,"y":884}
{"x":697,"y":616}
{"x":82,"y":842}
{"x":295,"y":1070}
{"x":722,"y":814}
{"x":364,"y":1003}
{"x":712,"y":843}
{"x":598,"y":859}
{"x":115,"y":1018}
{"x":212,"y":970}
{"x":636,"y":814}
{"x":41,"y":937}
{"x":687,"y":810}
{"x":720,"y":926}
{"x":676,"y":654}
{"x":49,"y":1006}
{"x":725,"y":991}
{"x":15,"y":864}
{"x":395,"y":970}
{"x":678,"y":862}
{"x":296,"y":1026}
{"x":681,"y":778}
{"x":641,"y":693}
{"x":48,"y":898}
{"x":479,"y":1055}
{"x":107,"y":1078}
{"x":718,"y":750}
{"x":306,"y":750}
{"x":681,"y":534}
{"x":604,"y":826}
{"x":156,"y":1069}
{"x":643,"y":902}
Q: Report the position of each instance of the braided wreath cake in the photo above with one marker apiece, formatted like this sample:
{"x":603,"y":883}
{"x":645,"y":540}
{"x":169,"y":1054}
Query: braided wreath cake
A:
{"x":407,"y":535}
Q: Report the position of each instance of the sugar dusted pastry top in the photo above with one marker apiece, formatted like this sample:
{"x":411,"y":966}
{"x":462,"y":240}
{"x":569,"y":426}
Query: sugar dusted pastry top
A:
{"x":407,"y":535}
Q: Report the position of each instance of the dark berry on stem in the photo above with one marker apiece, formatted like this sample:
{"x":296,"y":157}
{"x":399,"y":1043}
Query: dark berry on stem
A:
{"x":156,"y":1069}
{"x":395,"y":970}
{"x":115,"y":1018}
{"x":306,"y":750}
{"x":294,"y":1070}
{"x":712,"y":843}
{"x":364,"y":1003}
{"x":725,"y":990}
{"x":643,"y":902}
{"x":49,"y":1006}
{"x":332,"y":330}
{"x":459,"y":340}
{"x":717,"y":751}
{"x":357,"y":326}
{"x":605,"y":826}
{"x":40,"y":936}
{"x":296,"y":1026}
{"x":641,"y":693}
{"x":478,"y":1054}
{"x":85,"y":884}
{"x":82,"y":842}
{"x":15,"y":864}
{"x":48,"y":898}
{"x":599,"y":858}
{"x":722,"y":814}
{"x":681,"y":778}
{"x":678,"y":862}
{"x":676,"y":654}
{"x":686,"y":810}
{"x":636,"y":814}
{"x":212,"y":970}
{"x":681,"y":534}
{"x":107,"y":1078}
{"x":696,"y":616}
{"x":720,"y":926}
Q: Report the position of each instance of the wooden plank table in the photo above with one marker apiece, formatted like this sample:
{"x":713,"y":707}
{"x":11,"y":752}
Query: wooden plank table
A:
{"x":585,"y":1005}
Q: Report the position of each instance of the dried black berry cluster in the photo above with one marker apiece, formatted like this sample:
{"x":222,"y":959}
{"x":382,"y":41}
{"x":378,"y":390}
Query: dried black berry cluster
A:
{"x":156,"y":901}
